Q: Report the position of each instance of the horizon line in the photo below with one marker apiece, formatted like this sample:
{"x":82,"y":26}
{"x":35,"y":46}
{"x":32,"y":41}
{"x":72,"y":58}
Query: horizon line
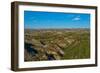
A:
{"x":56,"y":28}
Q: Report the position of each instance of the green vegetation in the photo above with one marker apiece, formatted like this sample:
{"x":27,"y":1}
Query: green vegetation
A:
{"x":56,"y":44}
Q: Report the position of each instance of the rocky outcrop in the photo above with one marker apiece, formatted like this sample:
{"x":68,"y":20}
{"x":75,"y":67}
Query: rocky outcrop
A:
{"x":38,"y":50}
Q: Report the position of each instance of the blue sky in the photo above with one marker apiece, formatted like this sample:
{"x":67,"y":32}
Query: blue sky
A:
{"x":44,"y":20}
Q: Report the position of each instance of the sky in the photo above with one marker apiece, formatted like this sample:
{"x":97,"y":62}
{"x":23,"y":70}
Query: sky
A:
{"x":55,"y":20}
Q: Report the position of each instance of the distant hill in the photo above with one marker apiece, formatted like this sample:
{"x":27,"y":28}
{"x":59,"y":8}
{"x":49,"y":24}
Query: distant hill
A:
{"x":60,"y":29}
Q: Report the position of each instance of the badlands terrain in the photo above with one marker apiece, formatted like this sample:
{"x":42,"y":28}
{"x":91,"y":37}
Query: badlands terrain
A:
{"x":56,"y":44}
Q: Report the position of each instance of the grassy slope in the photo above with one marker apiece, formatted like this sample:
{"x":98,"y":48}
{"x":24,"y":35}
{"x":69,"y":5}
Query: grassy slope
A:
{"x":79,"y":49}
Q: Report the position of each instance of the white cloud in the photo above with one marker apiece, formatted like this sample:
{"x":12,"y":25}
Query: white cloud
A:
{"x":76,"y":18}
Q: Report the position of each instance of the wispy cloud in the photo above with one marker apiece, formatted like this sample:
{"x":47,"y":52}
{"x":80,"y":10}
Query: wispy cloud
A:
{"x":77,"y":18}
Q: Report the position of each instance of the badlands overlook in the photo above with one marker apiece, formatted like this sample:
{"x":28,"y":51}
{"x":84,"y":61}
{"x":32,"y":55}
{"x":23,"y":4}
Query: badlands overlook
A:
{"x":56,"y":44}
